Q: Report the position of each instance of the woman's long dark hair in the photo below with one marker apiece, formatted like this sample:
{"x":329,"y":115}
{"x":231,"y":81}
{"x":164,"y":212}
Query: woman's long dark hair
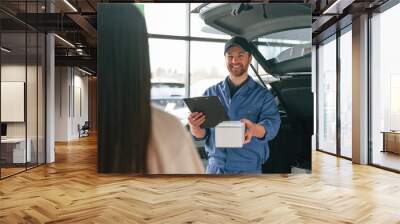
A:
{"x":124,"y":112}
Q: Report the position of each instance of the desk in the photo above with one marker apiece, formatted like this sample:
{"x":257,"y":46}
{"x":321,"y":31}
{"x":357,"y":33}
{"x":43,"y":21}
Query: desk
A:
{"x":13,"y":150}
{"x":391,"y":141}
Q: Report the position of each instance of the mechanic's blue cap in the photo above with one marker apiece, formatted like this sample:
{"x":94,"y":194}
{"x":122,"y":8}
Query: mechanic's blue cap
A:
{"x":239,"y":41}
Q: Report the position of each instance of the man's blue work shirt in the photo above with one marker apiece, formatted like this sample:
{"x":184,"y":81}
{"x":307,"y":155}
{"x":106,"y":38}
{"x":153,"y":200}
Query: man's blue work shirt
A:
{"x":254,"y":103}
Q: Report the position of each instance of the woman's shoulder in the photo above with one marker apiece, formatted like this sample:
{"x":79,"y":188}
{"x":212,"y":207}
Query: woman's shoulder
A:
{"x":176,"y":153}
{"x":158,"y":115}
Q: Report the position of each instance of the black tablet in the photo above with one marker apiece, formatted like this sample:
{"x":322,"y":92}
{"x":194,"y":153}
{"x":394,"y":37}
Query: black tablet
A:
{"x":211,"y":107}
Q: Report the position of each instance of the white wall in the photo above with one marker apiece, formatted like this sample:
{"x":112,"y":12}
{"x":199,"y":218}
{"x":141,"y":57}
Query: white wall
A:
{"x":71,"y":92}
{"x":61,"y":103}
{"x":16,"y":73}
{"x":12,"y":73}
{"x":80,"y":112}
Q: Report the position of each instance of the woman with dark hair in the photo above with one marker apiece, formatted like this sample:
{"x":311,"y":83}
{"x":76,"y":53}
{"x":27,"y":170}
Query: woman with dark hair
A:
{"x":133,"y":136}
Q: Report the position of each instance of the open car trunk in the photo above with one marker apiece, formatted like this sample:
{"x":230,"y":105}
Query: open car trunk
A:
{"x":265,"y":26}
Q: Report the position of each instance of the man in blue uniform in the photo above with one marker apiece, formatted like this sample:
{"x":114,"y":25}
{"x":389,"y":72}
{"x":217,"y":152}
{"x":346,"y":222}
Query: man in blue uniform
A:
{"x":244,"y":100}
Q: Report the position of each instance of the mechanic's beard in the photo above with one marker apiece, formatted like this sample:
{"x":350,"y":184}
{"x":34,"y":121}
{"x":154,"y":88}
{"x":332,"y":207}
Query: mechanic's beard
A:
{"x":238,"y":72}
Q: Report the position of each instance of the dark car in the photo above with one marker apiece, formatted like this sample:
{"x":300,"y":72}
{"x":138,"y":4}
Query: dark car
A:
{"x":280,"y":42}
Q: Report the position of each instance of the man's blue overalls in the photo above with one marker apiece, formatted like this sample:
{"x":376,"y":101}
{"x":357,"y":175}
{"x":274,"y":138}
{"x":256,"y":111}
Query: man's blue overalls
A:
{"x":255,"y":103}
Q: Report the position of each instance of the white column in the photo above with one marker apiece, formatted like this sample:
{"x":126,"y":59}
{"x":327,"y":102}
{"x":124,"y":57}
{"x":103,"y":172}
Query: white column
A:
{"x":50,"y":98}
{"x":360,"y":90}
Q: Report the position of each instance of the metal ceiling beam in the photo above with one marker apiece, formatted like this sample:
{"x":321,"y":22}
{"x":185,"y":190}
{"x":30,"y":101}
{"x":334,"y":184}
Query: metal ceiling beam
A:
{"x":85,"y":61}
{"x":16,"y":18}
{"x":49,"y":22}
{"x":63,"y":6}
{"x":339,"y":15}
{"x":91,"y":5}
{"x":321,"y":23}
{"x":82,"y":22}
{"x":337,"y":7}
{"x":86,"y":26}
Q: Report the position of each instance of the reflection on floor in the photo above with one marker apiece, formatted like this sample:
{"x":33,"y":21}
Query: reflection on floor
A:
{"x":10,"y":169}
{"x":386,"y":159}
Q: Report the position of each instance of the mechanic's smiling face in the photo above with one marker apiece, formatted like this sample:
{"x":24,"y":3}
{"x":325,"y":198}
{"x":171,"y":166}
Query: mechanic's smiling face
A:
{"x":237,"y":61}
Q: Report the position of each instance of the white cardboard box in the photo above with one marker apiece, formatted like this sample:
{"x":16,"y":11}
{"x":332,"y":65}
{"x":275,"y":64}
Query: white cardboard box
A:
{"x":229,"y":134}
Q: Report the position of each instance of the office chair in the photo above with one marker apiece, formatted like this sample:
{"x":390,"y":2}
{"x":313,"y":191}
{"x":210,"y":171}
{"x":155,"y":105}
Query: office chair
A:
{"x":84,"y":130}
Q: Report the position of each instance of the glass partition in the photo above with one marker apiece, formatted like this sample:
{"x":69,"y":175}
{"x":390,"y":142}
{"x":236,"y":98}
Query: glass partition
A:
{"x":22,"y":88}
{"x":31,"y":100}
{"x":385,"y":89}
{"x":327,"y":96}
{"x":41,"y":91}
{"x":15,"y":151}
{"x":346,"y":93}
